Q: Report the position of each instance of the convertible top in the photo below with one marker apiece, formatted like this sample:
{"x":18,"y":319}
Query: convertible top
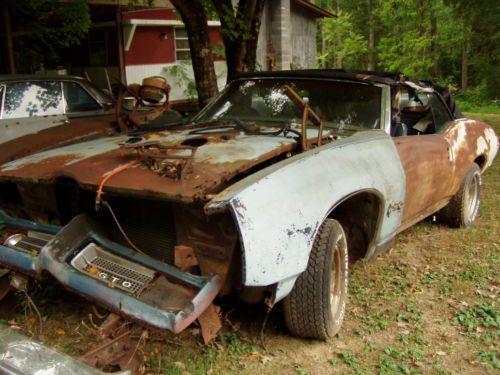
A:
{"x":351,"y":75}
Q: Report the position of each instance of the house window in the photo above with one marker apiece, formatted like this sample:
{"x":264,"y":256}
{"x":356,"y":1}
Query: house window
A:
{"x":182,"y":45}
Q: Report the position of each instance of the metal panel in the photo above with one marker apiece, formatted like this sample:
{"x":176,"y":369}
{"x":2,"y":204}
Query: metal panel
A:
{"x":279,"y":210}
{"x":23,"y":355}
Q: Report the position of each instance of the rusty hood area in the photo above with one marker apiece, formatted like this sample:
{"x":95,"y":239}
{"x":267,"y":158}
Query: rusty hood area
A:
{"x":181,"y":165}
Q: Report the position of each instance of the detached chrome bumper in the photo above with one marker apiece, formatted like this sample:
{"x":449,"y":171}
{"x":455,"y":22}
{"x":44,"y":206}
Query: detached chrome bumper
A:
{"x":21,"y":355}
{"x":122,"y":280}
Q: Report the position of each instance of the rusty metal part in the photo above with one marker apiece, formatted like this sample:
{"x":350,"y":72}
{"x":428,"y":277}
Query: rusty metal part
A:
{"x":154,"y":89}
{"x":185,"y":258}
{"x":166,"y":160}
{"x":114,"y":347}
{"x":223,"y":156}
{"x":213,"y":240}
{"x":110,"y":324}
{"x":429,"y":160}
{"x":306,"y":112}
{"x":210,"y":323}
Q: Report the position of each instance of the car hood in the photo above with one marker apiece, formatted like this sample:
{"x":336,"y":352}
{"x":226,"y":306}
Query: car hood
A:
{"x":77,"y":130}
{"x":218,"y":156}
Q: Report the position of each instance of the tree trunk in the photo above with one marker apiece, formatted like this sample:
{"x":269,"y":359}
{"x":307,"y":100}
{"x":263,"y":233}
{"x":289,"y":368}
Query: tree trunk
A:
{"x":464,"y":65}
{"x":195,"y":20}
{"x":240,"y":33}
{"x":323,"y":44}
{"x":421,"y":17}
{"x":434,"y":50}
{"x":338,"y":58}
{"x":371,"y":36}
{"x":121,"y":58}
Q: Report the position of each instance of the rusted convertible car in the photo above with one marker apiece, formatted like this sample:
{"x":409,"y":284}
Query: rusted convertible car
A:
{"x":271,"y":191}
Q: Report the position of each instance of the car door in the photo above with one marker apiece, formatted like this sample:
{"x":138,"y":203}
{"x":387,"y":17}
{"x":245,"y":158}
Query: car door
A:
{"x":29,"y":107}
{"x":424,"y":153}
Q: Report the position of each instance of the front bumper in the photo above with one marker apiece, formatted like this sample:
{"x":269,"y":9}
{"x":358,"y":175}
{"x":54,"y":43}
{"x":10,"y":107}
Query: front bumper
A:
{"x":169,"y":299}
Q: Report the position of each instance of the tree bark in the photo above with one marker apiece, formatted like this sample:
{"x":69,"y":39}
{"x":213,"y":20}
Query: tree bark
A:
{"x":323,"y":44}
{"x":240,"y":33}
{"x":337,"y":63}
{"x":371,"y":36}
{"x":121,"y":49}
{"x":434,"y":50}
{"x":464,"y":65}
{"x":195,"y":20}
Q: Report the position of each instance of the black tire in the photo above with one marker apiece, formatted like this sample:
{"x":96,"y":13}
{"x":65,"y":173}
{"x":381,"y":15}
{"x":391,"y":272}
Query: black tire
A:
{"x":463,"y":208}
{"x":315,"y":307}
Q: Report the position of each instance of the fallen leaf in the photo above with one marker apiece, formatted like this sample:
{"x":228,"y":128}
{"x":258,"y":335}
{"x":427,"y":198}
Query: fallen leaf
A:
{"x":180,"y":365}
{"x":265,"y":359}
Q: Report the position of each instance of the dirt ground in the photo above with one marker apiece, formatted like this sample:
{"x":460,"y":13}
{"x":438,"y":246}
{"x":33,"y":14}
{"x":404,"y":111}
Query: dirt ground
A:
{"x":427,"y":306}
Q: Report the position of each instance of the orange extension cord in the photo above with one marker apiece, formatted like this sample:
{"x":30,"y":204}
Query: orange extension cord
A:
{"x":98,"y":198}
{"x":99,"y":201}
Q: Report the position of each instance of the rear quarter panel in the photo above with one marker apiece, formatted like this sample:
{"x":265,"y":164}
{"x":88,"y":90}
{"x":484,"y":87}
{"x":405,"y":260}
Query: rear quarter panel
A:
{"x":469,"y":140}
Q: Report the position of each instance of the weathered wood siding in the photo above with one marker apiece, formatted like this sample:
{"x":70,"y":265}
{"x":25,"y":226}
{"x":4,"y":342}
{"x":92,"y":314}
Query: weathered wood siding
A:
{"x":303,"y":38}
{"x":263,"y":40}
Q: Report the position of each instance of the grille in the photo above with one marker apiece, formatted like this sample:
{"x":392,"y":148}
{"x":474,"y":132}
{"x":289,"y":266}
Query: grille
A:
{"x":113,"y":270}
{"x":32,"y":243}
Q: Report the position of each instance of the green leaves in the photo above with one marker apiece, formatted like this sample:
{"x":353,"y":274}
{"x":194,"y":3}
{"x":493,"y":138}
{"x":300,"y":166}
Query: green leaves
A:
{"x":344,"y":46}
{"x":52,"y":25}
{"x":421,"y":38}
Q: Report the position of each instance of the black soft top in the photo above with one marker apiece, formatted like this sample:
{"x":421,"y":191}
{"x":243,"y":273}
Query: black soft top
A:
{"x":350,"y":75}
{"x":40,"y":77}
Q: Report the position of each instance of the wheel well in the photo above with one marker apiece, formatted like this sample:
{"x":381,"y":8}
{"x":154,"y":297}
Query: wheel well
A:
{"x":359,"y":216}
{"x":481,"y":161}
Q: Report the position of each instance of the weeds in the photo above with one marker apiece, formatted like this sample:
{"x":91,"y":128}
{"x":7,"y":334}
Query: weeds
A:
{"x":472,"y":319}
{"x":489,"y":358}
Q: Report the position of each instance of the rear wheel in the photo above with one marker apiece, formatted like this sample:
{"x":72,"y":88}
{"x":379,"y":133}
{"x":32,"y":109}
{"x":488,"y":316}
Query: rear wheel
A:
{"x":316,"y":305}
{"x":464,"y":206}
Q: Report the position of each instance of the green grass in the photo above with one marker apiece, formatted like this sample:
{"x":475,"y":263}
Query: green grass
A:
{"x":475,"y":108}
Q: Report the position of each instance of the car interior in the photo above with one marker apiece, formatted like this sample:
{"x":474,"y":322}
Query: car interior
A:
{"x":417,"y":113}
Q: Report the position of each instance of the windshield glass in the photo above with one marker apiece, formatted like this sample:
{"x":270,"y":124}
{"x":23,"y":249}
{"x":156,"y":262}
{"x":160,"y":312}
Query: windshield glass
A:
{"x":343,"y":106}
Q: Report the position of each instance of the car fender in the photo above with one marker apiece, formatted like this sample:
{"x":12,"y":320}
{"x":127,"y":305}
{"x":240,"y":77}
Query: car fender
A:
{"x":279,"y":209}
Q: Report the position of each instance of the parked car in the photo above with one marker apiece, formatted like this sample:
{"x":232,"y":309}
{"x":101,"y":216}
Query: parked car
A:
{"x":270,"y":192}
{"x":31,"y":103}
{"x":42,"y":112}
{"x":54,"y":108}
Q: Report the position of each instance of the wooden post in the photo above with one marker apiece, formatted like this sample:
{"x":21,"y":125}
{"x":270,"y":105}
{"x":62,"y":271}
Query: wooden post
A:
{"x":119,"y":34}
{"x":8,"y":34}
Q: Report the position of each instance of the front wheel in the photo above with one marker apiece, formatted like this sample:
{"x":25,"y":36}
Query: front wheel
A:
{"x":316,"y":305}
{"x":464,"y":206}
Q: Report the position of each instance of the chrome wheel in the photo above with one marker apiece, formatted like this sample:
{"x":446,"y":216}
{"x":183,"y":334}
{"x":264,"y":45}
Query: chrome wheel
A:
{"x":471,"y":198}
{"x":336,"y":280}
